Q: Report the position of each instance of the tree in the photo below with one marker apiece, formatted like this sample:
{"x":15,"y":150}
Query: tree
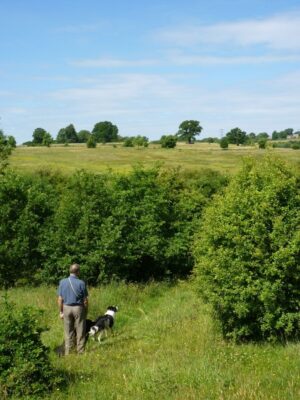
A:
{"x":11,"y":142}
{"x":262,"y":135}
{"x":67,"y":135}
{"x":188,"y":130}
{"x":38,"y":136}
{"x":247,"y":253}
{"x":224,"y":143}
{"x":91,"y":142}
{"x":83,"y":136}
{"x":236,"y":136}
{"x":105,"y":132}
{"x":168,"y":141}
{"x":47,"y":139}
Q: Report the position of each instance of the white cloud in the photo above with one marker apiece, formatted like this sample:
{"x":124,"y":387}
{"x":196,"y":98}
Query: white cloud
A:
{"x":279,"y":32}
{"x":113,"y":63}
{"x":180,"y":58}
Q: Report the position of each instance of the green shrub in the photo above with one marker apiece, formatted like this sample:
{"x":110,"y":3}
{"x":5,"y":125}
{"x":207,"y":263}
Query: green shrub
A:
{"x":296,"y":146}
{"x":168,"y":141}
{"x":247,"y":253}
{"x":27,"y":204}
{"x":128,"y":142}
{"x":262,"y":143}
{"x":25,"y":369}
{"x":91,"y":142}
{"x":287,"y":144}
{"x":135,"y":227}
{"x":224,"y":143}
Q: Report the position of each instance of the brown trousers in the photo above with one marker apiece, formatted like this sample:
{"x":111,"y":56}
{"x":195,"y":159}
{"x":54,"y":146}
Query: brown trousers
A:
{"x":74,"y":325}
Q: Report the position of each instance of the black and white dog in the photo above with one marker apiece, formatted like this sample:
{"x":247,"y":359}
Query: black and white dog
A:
{"x":103,"y":323}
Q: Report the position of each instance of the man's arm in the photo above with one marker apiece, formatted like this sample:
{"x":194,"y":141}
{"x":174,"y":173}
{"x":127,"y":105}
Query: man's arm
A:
{"x":86,"y":300}
{"x":60,"y":302}
{"x":86,"y":304}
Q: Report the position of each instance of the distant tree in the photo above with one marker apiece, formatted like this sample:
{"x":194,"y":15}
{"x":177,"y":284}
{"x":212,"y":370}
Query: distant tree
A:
{"x":91,"y":142}
{"x":289,"y":131}
{"x":250,"y":138}
{"x":275,"y":135}
{"x":141,"y":141}
{"x":83,"y":136}
{"x":67,"y":135}
{"x":11,"y":141}
{"x":47,"y":139}
{"x":105,"y":132}
{"x":38,"y":136}
{"x":168,"y":141}
{"x":224,"y":143}
{"x":236,"y":136}
{"x":61,"y":136}
{"x":262,"y":135}
{"x":188,"y":130}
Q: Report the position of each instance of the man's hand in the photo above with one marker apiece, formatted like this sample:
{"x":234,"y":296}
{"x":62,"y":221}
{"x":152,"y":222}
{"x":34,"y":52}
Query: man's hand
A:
{"x":61,"y":315}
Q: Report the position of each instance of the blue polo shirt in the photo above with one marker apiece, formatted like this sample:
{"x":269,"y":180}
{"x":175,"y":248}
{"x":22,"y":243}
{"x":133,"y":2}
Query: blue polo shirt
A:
{"x":72,"y":297}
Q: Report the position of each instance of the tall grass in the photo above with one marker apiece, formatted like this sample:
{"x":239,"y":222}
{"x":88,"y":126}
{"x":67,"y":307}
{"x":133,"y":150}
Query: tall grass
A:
{"x":164,"y":346}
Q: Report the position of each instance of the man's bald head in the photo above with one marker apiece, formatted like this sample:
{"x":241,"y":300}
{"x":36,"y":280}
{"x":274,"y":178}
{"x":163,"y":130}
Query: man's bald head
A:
{"x":74,"y":269}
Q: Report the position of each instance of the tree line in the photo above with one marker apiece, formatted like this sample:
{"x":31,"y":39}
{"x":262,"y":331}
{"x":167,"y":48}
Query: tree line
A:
{"x":107,"y":132}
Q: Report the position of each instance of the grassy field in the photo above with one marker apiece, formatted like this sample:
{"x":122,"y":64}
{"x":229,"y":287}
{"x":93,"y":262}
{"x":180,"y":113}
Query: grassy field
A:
{"x":197,"y":156}
{"x":164,"y":346}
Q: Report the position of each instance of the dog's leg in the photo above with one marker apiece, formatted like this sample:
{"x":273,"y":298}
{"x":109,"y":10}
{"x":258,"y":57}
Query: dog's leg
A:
{"x":100,"y":336}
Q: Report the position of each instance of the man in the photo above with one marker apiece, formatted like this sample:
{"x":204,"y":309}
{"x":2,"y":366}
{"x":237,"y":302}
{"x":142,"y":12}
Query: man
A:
{"x":73,"y":305}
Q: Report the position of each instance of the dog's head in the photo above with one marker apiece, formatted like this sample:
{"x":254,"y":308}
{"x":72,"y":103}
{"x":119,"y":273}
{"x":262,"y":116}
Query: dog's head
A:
{"x":112,"y":308}
{"x":93,"y":330}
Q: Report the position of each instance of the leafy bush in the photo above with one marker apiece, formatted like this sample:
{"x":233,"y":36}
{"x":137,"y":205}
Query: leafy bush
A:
{"x":134,"y":227}
{"x":27,"y":203}
{"x":91,"y":142}
{"x":262,"y":143}
{"x":288,"y":144}
{"x":128,"y":142}
{"x":25,"y":368}
{"x":168,"y":141}
{"x":247,"y":253}
{"x":224,"y":143}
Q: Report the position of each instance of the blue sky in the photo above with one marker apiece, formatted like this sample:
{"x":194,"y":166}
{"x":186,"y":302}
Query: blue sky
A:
{"x":147,"y":66}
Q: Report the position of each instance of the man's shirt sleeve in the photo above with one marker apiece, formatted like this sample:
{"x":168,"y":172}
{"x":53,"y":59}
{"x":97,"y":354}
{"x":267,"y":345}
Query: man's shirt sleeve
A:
{"x":59,"y":290}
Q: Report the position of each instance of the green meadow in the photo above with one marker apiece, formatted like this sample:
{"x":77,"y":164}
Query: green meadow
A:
{"x":119,"y":158}
{"x":165,"y":345}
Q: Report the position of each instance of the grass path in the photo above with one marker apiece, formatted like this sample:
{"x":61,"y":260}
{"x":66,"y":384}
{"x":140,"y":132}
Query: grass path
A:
{"x":165,"y":346}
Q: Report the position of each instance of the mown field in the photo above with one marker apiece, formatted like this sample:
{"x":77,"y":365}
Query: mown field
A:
{"x":195,"y":157}
{"x":164,"y":346}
